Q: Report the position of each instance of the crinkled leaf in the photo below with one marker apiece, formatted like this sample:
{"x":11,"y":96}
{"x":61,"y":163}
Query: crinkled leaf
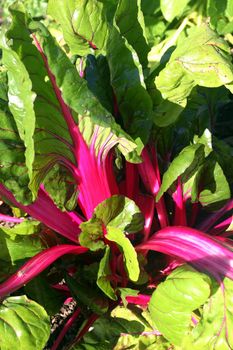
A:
{"x":92,"y":234}
{"x":13,"y":171}
{"x":186,"y":164}
{"x":173,"y":301}
{"x":173,"y":8}
{"x":62,"y":188}
{"x":87,"y":297}
{"x":24,"y":324}
{"x":202,"y":59}
{"x":104,"y":274}
{"x":130,"y":21}
{"x":83,"y":22}
{"x":213,"y":332}
{"x":120,"y":212}
{"x":128,"y":251}
{"x":117,"y":211}
{"x":128,"y":84}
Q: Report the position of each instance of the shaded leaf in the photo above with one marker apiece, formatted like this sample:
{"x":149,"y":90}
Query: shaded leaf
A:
{"x":128,"y":84}
{"x":86,"y":296}
{"x":130,"y":21}
{"x":186,"y":163}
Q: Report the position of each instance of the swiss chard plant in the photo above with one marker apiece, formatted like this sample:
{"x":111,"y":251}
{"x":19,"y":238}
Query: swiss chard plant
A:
{"x":116,"y":169}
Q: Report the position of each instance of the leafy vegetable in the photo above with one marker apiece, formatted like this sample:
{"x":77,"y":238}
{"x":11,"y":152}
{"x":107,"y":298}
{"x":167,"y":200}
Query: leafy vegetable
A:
{"x":116,"y":174}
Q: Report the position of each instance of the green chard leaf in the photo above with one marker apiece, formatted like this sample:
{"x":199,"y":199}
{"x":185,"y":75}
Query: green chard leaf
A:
{"x":210,"y":185}
{"x":203,"y":58}
{"x":25,"y":228}
{"x":17,"y":248}
{"x":98,"y":80}
{"x":87,"y":296}
{"x":213,"y":332}
{"x":104,"y":274}
{"x":51,"y":138}
{"x":123,"y":330}
{"x":117,"y":211}
{"x":130,"y":21}
{"x":83,"y":22}
{"x":20,"y":101}
{"x":185,"y":165}
{"x":129,"y":253}
{"x":80,"y":99}
{"x":173,"y":8}
{"x":41,"y":291}
{"x":174,"y":300}
{"x":128,"y":85}
{"x":24,"y":324}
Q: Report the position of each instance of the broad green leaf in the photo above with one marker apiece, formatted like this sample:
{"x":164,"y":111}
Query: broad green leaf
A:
{"x":41,"y":291}
{"x":173,"y":8}
{"x":14,"y":250}
{"x":21,"y":101}
{"x":104,"y":274}
{"x":186,"y":164}
{"x":87,"y":296}
{"x":128,"y":84}
{"x":213,"y":332}
{"x":130,"y":21}
{"x":210,"y":185}
{"x":24,"y":324}
{"x":128,"y":251}
{"x":166,"y":113}
{"x":173,"y":301}
{"x":51,"y":138}
{"x":202,"y":59}
{"x":83,"y":22}
{"x":117,"y":211}
{"x":81,"y":100}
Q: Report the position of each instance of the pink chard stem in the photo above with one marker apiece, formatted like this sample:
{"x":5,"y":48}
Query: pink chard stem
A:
{"x":204,"y":252}
{"x":180,"y":210}
{"x":44,"y":210}
{"x":36,"y":265}
{"x":151,"y":179}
